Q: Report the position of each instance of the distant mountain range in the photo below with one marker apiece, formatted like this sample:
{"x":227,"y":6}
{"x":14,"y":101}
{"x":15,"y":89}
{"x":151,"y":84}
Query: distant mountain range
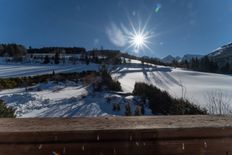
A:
{"x":188,"y":57}
{"x":221,"y":55}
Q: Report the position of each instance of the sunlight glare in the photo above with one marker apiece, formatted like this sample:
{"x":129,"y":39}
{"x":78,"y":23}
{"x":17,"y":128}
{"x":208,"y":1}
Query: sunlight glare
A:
{"x":138,"y":40}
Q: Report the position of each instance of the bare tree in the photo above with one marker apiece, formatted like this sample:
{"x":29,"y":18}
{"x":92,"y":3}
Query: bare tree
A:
{"x":218,"y":103}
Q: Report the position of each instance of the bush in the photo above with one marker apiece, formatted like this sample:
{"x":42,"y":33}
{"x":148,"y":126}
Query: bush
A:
{"x":114,"y":85}
{"x":116,"y":107}
{"x":6,"y":112}
{"x":138,"y":111}
{"x":10,"y":83}
{"x":108,"y":81}
{"x":160,"y":102}
{"x":127,"y":110}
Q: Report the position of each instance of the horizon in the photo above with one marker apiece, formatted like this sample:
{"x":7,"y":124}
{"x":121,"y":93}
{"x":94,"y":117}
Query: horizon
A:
{"x":88,"y":50}
{"x":170,"y":27}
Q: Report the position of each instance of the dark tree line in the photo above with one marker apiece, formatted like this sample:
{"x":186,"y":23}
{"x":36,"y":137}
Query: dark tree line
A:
{"x":161,"y":103}
{"x":13,"y":50}
{"x":204,"y":64}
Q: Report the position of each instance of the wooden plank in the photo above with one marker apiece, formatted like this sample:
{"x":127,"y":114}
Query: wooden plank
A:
{"x":114,"y":135}
{"x":172,"y":135}
{"x":113,"y":123}
{"x":140,"y":147}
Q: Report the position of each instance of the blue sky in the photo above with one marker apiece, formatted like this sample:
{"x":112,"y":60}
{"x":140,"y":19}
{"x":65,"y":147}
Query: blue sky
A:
{"x":177,"y":28}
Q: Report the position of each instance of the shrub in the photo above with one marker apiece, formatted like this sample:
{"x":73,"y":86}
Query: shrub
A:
{"x":114,"y":85}
{"x":10,"y":83}
{"x":116,"y":107}
{"x":138,"y":111}
{"x":6,"y":112}
{"x":160,"y":102}
{"x":127,"y":110}
{"x":108,"y":81}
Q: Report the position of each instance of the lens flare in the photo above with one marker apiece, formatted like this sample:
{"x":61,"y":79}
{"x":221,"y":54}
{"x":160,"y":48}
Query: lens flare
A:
{"x":158,"y":7}
{"x":55,"y":153}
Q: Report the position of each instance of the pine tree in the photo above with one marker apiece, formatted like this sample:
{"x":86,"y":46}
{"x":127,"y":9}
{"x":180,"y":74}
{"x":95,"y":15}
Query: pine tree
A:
{"x":46,"y":60}
{"x":225,"y":68}
{"x":57,"y":58}
{"x":86,"y":59}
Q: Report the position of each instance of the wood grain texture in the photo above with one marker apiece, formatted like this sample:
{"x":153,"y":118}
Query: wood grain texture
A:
{"x":171,"y":135}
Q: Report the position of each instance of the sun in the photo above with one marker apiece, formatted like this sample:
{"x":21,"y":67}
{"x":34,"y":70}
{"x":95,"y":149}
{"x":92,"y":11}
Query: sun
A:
{"x":138,"y":40}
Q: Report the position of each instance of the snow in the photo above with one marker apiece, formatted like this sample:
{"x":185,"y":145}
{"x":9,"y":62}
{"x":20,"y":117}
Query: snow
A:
{"x":73,"y":100}
{"x":196,"y":86}
{"x":65,"y":100}
{"x":20,"y":70}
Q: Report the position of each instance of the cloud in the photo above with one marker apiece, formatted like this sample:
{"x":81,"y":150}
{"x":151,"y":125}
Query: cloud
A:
{"x":116,"y":35}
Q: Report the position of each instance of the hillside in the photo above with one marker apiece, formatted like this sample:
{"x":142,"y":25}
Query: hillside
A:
{"x":195,"y":86}
{"x":222,"y":55}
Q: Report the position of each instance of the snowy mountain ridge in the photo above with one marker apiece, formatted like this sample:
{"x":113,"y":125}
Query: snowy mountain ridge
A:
{"x":222,"y":55}
{"x":187,"y":57}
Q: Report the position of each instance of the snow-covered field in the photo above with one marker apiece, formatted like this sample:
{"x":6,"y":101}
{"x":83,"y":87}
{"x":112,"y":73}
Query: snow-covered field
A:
{"x":66,"y":100}
{"x":20,"y":70}
{"x":195,"y":86}
{"x":70,"y":100}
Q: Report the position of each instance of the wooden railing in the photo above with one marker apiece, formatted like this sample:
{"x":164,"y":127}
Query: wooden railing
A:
{"x":158,"y":135}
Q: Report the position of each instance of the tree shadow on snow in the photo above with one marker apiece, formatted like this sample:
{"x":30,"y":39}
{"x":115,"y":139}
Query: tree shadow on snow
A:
{"x":152,"y":74}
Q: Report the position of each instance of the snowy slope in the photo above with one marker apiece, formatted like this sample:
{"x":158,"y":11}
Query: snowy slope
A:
{"x":65,"y":100}
{"x":20,"y":70}
{"x":196,"y":86}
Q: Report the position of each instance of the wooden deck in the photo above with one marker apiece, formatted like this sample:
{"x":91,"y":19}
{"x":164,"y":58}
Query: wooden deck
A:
{"x":159,"y":135}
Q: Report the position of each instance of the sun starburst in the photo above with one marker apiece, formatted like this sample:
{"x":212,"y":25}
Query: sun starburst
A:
{"x":139,"y":38}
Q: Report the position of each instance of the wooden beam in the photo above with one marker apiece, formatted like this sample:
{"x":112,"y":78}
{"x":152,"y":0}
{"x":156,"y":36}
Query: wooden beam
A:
{"x":174,"y":135}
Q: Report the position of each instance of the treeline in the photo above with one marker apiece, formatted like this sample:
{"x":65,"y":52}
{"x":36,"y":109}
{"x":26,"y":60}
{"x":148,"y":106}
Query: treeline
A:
{"x":204,"y":64}
{"x":73,"y":55}
{"x":161,"y":103}
{"x":15,"y":51}
{"x":66,"y":50}
{"x":151,"y":60}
